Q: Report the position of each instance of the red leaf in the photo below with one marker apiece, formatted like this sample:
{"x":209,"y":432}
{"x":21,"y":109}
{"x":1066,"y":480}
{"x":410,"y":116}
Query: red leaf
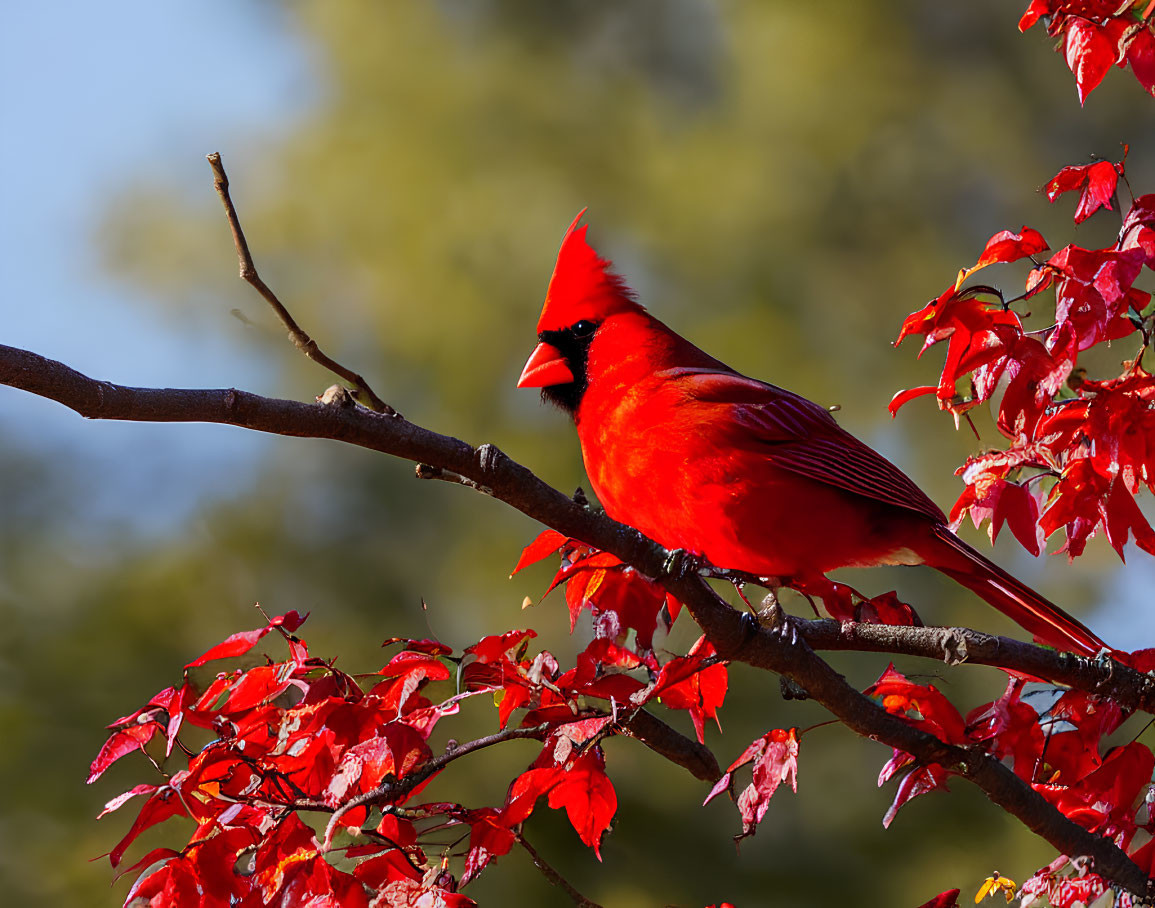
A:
{"x":1103,"y":800}
{"x":1012,"y":728}
{"x":683,"y":683}
{"x":212,"y":860}
{"x":920,"y":704}
{"x":1137,"y":231}
{"x":1073,"y":504}
{"x":378,"y":872}
{"x":775,"y":759}
{"x":413,"y":894}
{"x":977,"y":333}
{"x":1035,"y":11}
{"x":503,"y":646}
{"x":621,"y":600}
{"x":121,"y":799}
{"x":947,"y":899}
{"x":163,"y":804}
{"x":489,"y":838}
{"x":1145,"y":857}
{"x":589,"y":799}
{"x":524,"y":792}
{"x":1089,"y":53}
{"x":919,"y":781}
{"x":1096,"y":181}
{"x":904,"y":397}
{"x":411,"y":671}
{"x":1141,"y":56}
{"x":547,"y":542}
{"x":396,"y":751}
{"x":1000,"y":502}
{"x":1140,"y":53}
{"x":1010,"y":247}
{"x":282,"y":853}
{"x":171,"y":886}
{"x":121,"y":742}
{"x":1121,"y":517}
{"x":1142,"y":660}
{"x":157,"y":854}
{"x":258,"y":685}
{"x":1092,"y":292}
{"x":887,"y":608}
{"x":241,"y":643}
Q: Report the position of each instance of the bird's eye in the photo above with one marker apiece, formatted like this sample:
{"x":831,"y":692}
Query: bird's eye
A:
{"x":584,"y":328}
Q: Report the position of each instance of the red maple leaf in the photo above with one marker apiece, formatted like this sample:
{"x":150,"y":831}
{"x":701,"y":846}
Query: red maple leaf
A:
{"x":775,"y":759}
{"x":694,"y":682}
{"x":1006,"y":246}
{"x":1090,"y":52}
{"x":546,"y":543}
{"x":1012,"y":729}
{"x":976,"y":333}
{"x":1001,"y":502}
{"x":241,"y":643}
{"x":1096,"y":183}
{"x":1138,"y":230}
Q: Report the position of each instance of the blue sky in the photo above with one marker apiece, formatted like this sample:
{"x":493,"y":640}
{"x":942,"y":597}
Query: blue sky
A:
{"x":92,"y":95}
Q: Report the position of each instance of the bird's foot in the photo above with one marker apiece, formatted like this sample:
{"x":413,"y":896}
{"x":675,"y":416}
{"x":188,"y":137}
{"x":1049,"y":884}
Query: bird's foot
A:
{"x":792,"y":690}
{"x":772,"y":618}
{"x":681,"y":563}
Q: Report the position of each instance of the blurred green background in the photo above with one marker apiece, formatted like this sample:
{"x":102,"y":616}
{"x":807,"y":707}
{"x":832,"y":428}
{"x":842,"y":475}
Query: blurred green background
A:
{"x":782,"y":182}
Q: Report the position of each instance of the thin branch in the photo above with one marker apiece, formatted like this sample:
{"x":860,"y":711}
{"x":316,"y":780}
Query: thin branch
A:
{"x":396,"y":788}
{"x":428,"y":471}
{"x":955,"y":645}
{"x":735,"y":637}
{"x":553,"y":876}
{"x":673,"y":745}
{"x":301,"y":340}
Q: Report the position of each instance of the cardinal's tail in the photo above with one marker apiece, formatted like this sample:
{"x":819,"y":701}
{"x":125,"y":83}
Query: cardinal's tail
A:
{"x":1049,"y":623}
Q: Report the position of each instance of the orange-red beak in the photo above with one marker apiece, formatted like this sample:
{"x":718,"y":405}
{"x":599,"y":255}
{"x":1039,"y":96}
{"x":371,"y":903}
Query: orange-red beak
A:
{"x":545,"y":367}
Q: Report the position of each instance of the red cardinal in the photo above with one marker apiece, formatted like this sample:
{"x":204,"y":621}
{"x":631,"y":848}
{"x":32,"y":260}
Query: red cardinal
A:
{"x":749,"y":476}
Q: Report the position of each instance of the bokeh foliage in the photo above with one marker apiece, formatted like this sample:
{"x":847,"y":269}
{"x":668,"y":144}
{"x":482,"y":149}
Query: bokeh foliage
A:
{"x":781,"y":181}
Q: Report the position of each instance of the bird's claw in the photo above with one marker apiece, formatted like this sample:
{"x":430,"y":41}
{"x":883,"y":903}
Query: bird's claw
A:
{"x":772,"y":618}
{"x":680,"y":563}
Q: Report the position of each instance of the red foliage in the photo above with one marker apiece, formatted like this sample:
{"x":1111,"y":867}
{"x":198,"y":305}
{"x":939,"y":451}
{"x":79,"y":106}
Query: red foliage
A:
{"x":1078,"y":449}
{"x":1096,"y":34}
{"x":1060,"y":749}
{"x":298,"y":738}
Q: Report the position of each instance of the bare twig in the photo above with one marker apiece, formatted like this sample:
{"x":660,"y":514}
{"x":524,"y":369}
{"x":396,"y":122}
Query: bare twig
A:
{"x":553,"y":876}
{"x":301,"y":340}
{"x":428,"y":471}
{"x":734,"y":637}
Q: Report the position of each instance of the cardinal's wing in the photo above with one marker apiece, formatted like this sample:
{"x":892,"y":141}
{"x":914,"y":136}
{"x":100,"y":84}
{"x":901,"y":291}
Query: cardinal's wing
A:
{"x":800,"y":436}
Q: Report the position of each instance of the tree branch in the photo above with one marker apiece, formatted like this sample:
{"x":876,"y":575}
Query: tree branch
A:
{"x":553,"y":876}
{"x":673,"y":745}
{"x":301,"y":340}
{"x":954,"y":645}
{"x":734,"y":636}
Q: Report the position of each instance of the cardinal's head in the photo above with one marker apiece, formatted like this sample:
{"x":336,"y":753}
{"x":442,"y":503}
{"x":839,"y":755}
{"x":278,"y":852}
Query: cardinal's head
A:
{"x":583,"y":294}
